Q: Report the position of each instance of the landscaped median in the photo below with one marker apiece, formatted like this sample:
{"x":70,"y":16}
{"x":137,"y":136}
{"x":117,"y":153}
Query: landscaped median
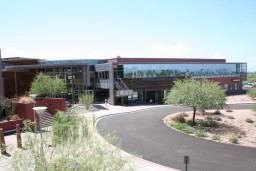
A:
{"x":70,"y":144}
{"x":226,"y":126}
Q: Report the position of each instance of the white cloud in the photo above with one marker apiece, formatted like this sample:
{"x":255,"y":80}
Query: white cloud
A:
{"x":14,"y":52}
{"x":179,"y":50}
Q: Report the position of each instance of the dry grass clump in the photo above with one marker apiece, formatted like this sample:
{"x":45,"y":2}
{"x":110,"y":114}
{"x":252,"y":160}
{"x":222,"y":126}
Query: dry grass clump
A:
{"x":217,"y":118}
{"x":249,"y":120}
{"x":231,"y":117}
{"x":232,"y":134}
{"x":216,"y":112}
{"x":208,"y":118}
{"x":15,"y":117}
{"x":184,"y":114}
{"x":25,"y":99}
{"x":229,"y":110}
{"x":179,"y":118}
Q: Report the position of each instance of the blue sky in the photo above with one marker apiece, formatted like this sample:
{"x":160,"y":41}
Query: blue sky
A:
{"x":133,"y":28}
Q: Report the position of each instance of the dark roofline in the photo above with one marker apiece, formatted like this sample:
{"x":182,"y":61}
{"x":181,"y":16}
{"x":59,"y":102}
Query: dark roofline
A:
{"x":43,"y":66}
{"x":17,"y":59}
{"x":164,"y":60}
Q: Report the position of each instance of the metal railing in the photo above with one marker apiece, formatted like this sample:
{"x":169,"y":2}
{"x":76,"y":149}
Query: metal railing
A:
{"x":123,"y":90}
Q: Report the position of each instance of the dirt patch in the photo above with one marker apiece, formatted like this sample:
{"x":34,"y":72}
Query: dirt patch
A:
{"x":229,"y":123}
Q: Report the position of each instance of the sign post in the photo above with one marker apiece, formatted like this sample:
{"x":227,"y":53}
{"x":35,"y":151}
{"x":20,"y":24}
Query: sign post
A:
{"x":186,"y":161}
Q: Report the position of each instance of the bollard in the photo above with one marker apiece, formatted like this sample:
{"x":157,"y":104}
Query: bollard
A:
{"x":2,"y":142}
{"x":19,"y":144}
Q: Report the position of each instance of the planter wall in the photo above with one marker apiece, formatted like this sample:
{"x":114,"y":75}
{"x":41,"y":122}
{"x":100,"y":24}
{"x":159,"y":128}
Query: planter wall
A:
{"x":7,"y":125}
{"x":25,"y":111}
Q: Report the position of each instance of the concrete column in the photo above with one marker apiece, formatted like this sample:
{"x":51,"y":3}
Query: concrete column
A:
{"x":111,"y":85}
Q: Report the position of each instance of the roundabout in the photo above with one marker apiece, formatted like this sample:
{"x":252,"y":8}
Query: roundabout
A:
{"x":144,"y":133}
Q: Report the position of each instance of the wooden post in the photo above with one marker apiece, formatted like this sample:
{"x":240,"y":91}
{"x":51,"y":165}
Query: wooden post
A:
{"x":2,"y":143}
{"x":19,"y":144}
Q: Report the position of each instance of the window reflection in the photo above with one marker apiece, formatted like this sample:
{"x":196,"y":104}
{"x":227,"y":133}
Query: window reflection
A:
{"x":173,"y":70}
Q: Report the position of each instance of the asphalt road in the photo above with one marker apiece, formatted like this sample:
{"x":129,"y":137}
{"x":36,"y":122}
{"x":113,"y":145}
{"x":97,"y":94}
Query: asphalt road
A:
{"x":144,"y":133}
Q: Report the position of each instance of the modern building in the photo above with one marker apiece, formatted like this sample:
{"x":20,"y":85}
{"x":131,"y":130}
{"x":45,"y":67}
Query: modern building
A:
{"x":122,"y":80}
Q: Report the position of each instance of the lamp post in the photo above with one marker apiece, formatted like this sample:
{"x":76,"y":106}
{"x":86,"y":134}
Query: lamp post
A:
{"x":40,"y":111}
{"x":34,"y":98}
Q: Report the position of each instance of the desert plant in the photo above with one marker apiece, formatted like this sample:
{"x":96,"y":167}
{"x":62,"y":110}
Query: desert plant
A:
{"x":229,"y":110}
{"x":249,"y":120}
{"x":179,"y":118}
{"x":201,"y":94}
{"x":209,"y":118}
{"x":63,"y":124}
{"x":44,"y":85}
{"x":15,"y":117}
{"x":210,"y":123}
{"x":252,"y":93}
{"x":184,"y":114}
{"x":233,"y":139}
{"x":25,"y":99}
{"x":178,"y":126}
{"x":231,"y":117}
{"x":216,"y":112}
{"x":188,"y":130}
{"x":201,"y":133}
{"x":86,"y":100}
{"x":254,"y":107}
{"x":190,"y":123}
{"x":216,"y":137}
{"x":81,"y":153}
{"x":217,"y":118}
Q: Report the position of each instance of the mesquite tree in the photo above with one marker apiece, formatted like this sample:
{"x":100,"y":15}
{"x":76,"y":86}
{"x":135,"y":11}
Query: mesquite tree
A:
{"x":201,"y":94}
{"x":44,"y":85}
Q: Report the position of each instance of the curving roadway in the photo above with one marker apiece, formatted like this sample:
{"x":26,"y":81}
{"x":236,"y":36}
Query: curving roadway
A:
{"x":144,"y":133}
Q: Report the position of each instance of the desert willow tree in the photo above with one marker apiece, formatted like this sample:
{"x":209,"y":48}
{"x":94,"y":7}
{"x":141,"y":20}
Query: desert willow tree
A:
{"x":201,"y":94}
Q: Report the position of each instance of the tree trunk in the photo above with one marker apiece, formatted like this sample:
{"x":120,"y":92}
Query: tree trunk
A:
{"x":194,"y":115}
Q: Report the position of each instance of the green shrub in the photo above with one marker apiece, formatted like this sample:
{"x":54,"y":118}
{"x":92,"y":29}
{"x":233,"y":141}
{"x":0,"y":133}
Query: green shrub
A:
{"x":254,"y":107}
{"x":249,"y":120}
{"x":209,"y":124}
{"x":217,"y":118}
{"x":205,"y":124}
{"x":201,"y":133}
{"x":231,"y":117}
{"x":190,"y":122}
{"x":62,"y":126}
{"x":216,"y":137}
{"x":178,"y":126}
{"x":252,"y":93}
{"x":83,"y":153}
{"x":229,"y":110}
{"x":86,"y":100}
{"x":44,"y":85}
{"x":188,"y":130}
{"x":213,"y":124}
{"x":233,"y":139}
{"x":179,"y":118}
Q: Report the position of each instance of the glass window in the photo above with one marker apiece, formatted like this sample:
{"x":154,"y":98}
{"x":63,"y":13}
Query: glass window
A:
{"x":172,"y":70}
